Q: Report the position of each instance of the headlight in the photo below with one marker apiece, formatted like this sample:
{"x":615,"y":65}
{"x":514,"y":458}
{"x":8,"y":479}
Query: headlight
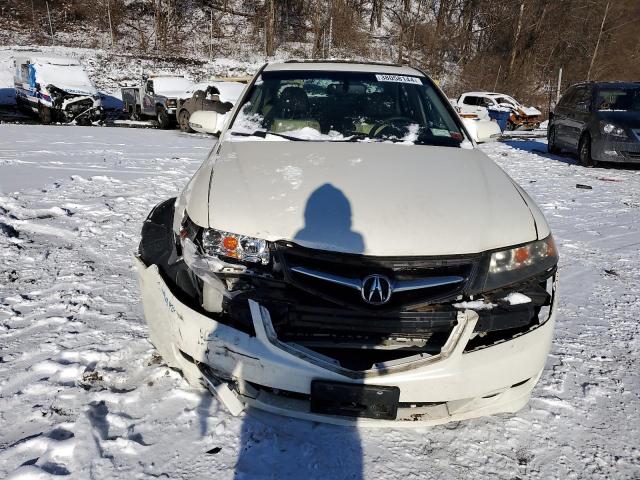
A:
{"x":520,"y":263}
{"x":171,"y":103}
{"x":613,"y":130}
{"x":241,"y":247}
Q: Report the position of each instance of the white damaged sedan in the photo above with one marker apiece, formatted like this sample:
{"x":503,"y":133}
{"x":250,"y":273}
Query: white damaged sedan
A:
{"x":346,"y":254}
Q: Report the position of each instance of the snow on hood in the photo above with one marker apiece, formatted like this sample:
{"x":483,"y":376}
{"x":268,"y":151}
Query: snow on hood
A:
{"x":172,"y":87}
{"x":229,"y":91}
{"x":531,"y":111}
{"x":70,"y":78}
{"x":371,"y":198}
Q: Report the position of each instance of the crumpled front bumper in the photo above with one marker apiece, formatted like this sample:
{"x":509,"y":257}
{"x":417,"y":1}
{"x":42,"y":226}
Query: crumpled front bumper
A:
{"x":451,"y":386}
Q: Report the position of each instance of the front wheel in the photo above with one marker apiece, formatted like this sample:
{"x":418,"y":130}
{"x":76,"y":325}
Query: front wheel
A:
{"x":44,"y":114}
{"x":163,"y":119}
{"x":183,"y":120}
{"x":134,"y":113}
{"x":584,"y":152}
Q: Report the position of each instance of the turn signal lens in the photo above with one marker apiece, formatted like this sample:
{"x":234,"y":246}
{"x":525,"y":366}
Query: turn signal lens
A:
{"x":520,"y":257}
{"x":230,"y":243}
{"x":520,"y":263}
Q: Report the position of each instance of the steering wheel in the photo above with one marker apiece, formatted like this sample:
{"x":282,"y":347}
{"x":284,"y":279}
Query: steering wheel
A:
{"x":386,"y":128}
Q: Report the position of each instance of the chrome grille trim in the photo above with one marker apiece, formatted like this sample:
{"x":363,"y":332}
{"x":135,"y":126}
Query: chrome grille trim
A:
{"x":396,"y":286}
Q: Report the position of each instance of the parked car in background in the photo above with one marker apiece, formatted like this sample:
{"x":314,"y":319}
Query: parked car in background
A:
{"x":56,"y":89}
{"x":599,"y":121}
{"x":480,"y":125}
{"x":347,"y":254}
{"x":157,"y":98}
{"x":216,"y":98}
{"x":505,"y":109}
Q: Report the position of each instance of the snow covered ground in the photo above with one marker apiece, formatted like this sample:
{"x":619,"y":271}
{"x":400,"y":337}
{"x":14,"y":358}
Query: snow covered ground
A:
{"x":83,"y":394}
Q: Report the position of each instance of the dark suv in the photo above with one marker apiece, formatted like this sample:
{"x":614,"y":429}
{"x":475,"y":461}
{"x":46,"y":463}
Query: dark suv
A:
{"x":599,"y":121}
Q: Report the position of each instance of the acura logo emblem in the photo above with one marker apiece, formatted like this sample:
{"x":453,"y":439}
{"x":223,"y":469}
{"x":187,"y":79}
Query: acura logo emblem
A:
{"x":376,"y":289}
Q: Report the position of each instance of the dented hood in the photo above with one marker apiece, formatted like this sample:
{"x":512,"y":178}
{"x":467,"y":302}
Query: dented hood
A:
{"x":369,"y":198}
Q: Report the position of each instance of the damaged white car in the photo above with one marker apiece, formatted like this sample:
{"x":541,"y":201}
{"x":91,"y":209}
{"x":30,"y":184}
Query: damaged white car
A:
{"x":56,"y":89}
{"x":346,"y":254}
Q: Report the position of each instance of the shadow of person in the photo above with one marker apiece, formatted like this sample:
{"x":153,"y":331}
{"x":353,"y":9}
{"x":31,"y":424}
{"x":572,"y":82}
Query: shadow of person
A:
{"x":280,"y":448}
{"x":276,"y":447}
{"x":327,"y":218}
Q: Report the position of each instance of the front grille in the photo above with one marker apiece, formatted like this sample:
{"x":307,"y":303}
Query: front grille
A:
{"x":631,"y":155}
{"x":358,"y":267}
{"x":78,"y":107}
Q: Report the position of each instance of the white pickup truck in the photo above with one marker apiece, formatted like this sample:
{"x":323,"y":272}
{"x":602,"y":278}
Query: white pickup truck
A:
{"x":156,"y":98}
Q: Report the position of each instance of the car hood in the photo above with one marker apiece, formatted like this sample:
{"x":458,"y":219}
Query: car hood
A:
{"x":364,"y":198}
{"x":622,"y":118}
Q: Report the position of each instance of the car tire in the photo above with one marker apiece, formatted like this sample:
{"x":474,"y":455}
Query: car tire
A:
{"x":552,"y":147}
{"x":134,"y":113}
{"x":163,"y":119}
{"x":183,"y":120}
{"x":158,"y":247}
{"x":44,"y":114}
{"x":584,"y":152}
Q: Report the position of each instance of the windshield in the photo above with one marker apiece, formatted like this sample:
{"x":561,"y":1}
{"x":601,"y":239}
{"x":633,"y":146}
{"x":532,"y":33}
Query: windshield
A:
{"x":345,"y":106}
{"x":625,"y":99}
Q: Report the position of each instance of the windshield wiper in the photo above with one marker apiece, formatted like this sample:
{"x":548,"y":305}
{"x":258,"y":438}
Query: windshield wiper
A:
{"x":264,"y":133}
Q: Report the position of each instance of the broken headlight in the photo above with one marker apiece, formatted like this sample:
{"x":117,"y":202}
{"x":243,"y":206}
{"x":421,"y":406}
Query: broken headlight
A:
{"x":520,"y":263}
{"x":241,"y":247}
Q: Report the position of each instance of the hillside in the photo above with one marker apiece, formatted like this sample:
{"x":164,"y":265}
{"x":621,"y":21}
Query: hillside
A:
{"x":516,"y":47}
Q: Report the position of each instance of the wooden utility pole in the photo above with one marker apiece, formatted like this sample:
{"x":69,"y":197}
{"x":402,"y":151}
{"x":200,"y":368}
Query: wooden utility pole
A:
{"x":595,"y":50}
{"x":270,"y":27}
{"x":211,"y":36}
{"x":516,"y":38}
{"x":110,"y":24}
{"x":50,"y":24}
{"x":559,"y":86}
{"x":330,"y":27}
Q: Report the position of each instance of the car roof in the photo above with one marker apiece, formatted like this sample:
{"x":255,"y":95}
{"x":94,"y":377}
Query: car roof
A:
{"x":164,"y":75}
{"x":612,"y":84}
{"x":51,"y":59}
{"x":343,"y":66}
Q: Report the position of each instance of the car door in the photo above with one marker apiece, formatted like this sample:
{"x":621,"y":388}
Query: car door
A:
{"x":561,"y":117}
{"x":578,"y":116}
{"x":148,"y":102}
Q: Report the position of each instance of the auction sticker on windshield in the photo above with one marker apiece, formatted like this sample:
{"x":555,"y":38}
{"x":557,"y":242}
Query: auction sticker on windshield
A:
{"x":398,"y":79}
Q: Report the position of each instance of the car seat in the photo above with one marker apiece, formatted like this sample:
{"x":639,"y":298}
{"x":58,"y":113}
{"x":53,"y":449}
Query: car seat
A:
{"x":292,"y":111}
